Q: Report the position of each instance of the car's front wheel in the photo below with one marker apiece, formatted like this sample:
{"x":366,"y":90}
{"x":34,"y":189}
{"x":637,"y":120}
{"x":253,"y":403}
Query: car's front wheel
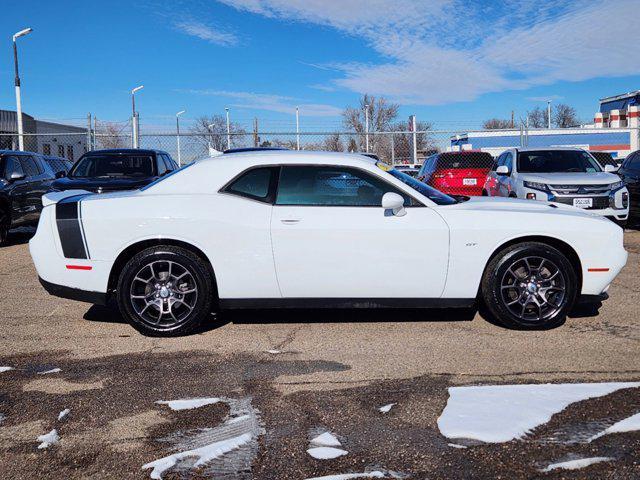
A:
{"x":165,"y":291}
{"x":529,"y":285}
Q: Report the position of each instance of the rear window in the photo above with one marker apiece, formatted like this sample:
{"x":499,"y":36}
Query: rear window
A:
{"x":114,"y":165}
{"x":464,"y":160}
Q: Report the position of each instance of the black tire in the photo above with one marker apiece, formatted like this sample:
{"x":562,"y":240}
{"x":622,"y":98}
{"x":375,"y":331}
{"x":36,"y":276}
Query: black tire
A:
{"x":506,"y":285}
{"x":484,"y":193}
{"x":163,"y":264}
{"x":5,"y":222}
{"x":513,"y":195}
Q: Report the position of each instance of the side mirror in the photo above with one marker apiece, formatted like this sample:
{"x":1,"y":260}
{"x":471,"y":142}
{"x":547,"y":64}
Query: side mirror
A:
{"x":502,"y":170}
{"x":61,"y":174}
{"x":610,"y":168}
{"x":15,"y":176}
{"x":394,"y":202}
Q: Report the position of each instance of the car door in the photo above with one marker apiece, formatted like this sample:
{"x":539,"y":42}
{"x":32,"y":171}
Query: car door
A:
{"x":17,"y":190}
{"x":38,"y":184}
{"x":491,"y":184}
{"x":630,"y":174}
{"x":332,"y":239}
{"x":504,"y":181}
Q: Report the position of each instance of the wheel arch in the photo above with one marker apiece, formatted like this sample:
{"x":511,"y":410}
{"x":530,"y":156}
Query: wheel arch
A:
{"x":127,"y":253}
{"x":558,"y":244}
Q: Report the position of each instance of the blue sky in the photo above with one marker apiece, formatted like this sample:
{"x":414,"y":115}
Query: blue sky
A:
{"x":449,"y":62}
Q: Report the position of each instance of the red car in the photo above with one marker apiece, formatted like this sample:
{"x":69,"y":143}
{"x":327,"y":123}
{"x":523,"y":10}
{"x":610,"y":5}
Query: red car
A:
{"x":457,"y":173}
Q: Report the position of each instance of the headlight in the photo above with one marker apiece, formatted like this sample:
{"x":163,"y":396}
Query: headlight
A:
{"x":616,"y":186}
{"x":536,"y":186}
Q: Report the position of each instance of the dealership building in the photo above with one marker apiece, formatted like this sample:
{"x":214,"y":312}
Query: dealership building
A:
{"x":49,"y":138}
{"x":616,"y":129}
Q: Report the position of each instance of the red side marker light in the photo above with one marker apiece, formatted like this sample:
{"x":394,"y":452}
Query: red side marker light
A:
{"x":598,"y":270}
{"x":79,"y":267}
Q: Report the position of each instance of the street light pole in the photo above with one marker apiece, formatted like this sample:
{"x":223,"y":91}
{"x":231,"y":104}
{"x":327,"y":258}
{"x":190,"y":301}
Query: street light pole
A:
{"x":228,"y":130}
{"x":134,"y":117}
{"x":297,"y":129}
{"x":178,"y":135}
{"x":366,"y":128}
{"x":548,"y":113}
{"x":21,"y":33}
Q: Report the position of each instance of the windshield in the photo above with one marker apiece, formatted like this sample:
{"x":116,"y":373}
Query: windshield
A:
{"x":557,"y":161}
{"x":431,"y":193}
{"x":113,"y":165}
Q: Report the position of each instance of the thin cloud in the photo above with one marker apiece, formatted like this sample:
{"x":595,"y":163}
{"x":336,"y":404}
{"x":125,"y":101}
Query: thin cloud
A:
{"x":441,"y":51}
{"x":545,"y":98}
{"x":272,"y":103}
{"x":207,"y":33}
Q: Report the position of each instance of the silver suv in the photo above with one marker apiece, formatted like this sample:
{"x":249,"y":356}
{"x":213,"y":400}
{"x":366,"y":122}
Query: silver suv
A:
{"x":570,"y":176}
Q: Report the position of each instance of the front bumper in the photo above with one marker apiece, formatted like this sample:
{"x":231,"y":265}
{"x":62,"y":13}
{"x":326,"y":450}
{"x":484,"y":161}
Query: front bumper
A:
{"x":602,"y":204}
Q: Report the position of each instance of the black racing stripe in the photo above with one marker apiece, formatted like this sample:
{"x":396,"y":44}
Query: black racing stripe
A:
{"x":69,"y":228}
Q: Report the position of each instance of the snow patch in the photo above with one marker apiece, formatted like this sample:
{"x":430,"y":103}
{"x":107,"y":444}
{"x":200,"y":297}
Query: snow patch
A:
{"x":48,"y":439}
{"x":274,"y":352}
{"x":455,"y":445}
{"x":629,"y":424}
{"x":53,"y":370}
{"x":349,"y":476}
{"x":204,"y":455}
{"x":63,"y":414}
{"x":386,"y":408}
{"x":5,"y":369}
{"x":188,"y":403}
{"x":576,"y":464}
{"x":500,"y":413}
{"x":325,"y":439}
{"x":326,"y":453}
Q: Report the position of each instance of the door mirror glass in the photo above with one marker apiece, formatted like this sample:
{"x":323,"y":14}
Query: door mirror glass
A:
{"x":502,"y":170}
{"x":395,"y":203}
{"x":610,"y":168}
{"x":16,"y":175}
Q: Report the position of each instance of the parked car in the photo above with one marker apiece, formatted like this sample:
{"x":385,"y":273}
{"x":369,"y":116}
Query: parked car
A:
{"x":118,"y":169}
{"x":456,"y":173}
{"x":24,"y":178}
{"x":275,"y":229}
{"x":569,"y":176}
{"x":629,"y":173}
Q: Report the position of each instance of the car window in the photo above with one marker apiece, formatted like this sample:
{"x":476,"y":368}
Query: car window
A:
{"x":12,"y":164}
{"x":257,"y":184}
{"x":633,"y":162}
{"x":162,"y":167}
{"x":168,"y":162}
{"x":557,"y":161}
{"x":114,"y":165}
{"x":332,"y":186}
{"x":29,"y":166}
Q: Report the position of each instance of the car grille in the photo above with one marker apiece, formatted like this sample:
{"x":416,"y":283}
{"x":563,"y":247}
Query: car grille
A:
{"x":579,"y":189}
{"x":599,"y":203}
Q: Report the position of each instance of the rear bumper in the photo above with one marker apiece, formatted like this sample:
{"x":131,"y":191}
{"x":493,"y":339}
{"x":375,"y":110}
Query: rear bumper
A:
{"x":62,"y":291}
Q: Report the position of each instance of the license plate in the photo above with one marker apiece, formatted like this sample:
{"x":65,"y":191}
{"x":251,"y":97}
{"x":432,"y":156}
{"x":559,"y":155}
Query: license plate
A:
{"x":583,"y":202}
{"x":469,"y":181}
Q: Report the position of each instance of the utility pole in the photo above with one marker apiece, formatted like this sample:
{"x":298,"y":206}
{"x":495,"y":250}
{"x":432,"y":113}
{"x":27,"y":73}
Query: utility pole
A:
{"x":134,"y":118}
{"x":366,"y":128}
{"x":89,"y":133}
{"x":228,"y":130}
{"x":549,"y":114}
{"x":297,"y":129}
{"x":256,"y":138}
{"x":415,"y":140}
{"x":512,"y":122}
{"x":95,"y":131}
{"x":19,"y":34}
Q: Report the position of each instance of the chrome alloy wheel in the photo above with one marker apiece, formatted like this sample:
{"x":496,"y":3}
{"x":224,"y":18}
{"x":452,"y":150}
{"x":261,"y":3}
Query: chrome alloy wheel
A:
{"x":533,"y":288}
{"x":163,"y":293}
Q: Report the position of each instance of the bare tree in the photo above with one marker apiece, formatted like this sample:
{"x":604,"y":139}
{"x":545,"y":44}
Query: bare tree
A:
{"x":496,"y":124}
{"x":564,"y":116}
{"x":381,"y":115}
{"x":403,"y":142}
{"x":333,"y":143}
{"x":537,"y":118}
{"x":212,"y":131}
{"x":111,"y":135}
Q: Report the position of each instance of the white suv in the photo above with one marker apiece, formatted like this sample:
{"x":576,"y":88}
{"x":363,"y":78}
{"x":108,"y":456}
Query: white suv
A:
{"x":570,"y":176}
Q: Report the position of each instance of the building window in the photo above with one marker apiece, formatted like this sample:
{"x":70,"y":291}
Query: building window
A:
{"x":61,"y":150}
{"x":70,"y":152}
{"x":46,"y":148}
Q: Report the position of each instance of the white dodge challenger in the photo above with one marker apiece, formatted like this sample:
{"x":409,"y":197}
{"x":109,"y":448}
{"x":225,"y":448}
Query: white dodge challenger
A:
{"x":309,"y":229}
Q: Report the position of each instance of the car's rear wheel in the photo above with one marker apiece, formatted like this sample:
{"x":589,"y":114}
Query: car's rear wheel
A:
{"x":165,"y":291}
{"x":530,"y":285}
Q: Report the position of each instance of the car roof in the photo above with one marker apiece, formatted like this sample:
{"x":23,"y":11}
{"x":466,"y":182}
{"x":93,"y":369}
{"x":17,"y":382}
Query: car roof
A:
{"x":252,"y":149}
{"x":125,"y":151}
{"x":310,"y":157}
{"x":541,"y":149}
{"x":18,"y":152}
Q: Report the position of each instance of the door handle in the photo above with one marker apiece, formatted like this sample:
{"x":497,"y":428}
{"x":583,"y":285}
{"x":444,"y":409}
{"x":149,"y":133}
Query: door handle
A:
{"x":290,"y":221}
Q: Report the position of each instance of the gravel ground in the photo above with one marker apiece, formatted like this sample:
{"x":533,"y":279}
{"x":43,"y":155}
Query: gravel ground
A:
{"x":333,"y":371}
